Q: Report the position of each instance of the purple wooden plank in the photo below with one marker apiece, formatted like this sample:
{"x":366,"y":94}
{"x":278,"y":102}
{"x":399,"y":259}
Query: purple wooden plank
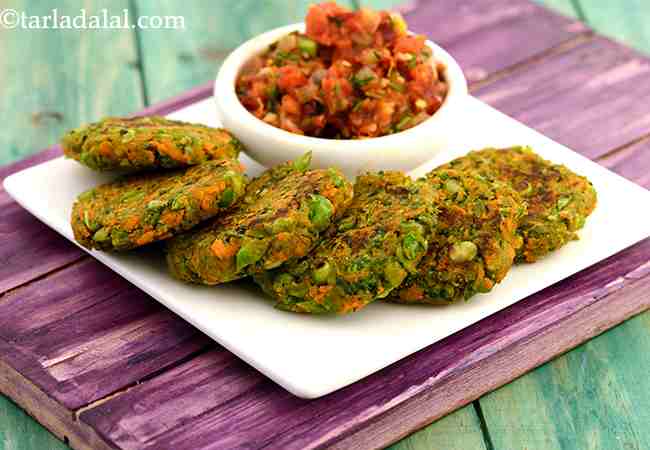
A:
{"x":91,"y":334}
{"x":248,"y":413}
{"x":490,"y":35}
{"x":588,"y":98}
{"x":28,"y":248}
{"x":632,"y":163}
{"x":55,"y":417}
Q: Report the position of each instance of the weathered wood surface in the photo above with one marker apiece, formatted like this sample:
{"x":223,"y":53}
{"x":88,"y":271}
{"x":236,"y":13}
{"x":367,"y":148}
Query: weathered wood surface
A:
{"x":20,"y":431}
{"x":499,"y":26}
{"x":629,"y":163}
{"x":46,"y":251}
{"x":627,"y":21}
{"x":210,"y":34}
{"x":587,"y":98}
{"x":52,"y":80}
{"x":92,"y":334}
{"x":222,"y":403}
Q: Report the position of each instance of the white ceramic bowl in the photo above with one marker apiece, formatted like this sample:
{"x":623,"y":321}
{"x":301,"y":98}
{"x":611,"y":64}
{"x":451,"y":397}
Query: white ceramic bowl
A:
{"x":269,"y":145}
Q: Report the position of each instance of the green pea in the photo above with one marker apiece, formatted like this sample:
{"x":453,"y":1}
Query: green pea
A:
{"x":320,"y":211}
{"x":90,"y":224}
{"x":463,"y":251}
{"x":452,"y":186}
{"x":394,"y":274}
{"x":102,"y":235}
{"x":301,"y":164}
{"x":412,"y":227}
{"x":227,"y":198}
{"x":307,"y":46}
{"x":119,"y":238}
{"x":412,"y":246}
{"x":87,"y":195}
{"x":236,"y":181}
{"x":282,"y":224}
{"x":336,"y":178}
{"x":321,"y":274}
{"x":562,"y":202}
{"x":251,"y":252}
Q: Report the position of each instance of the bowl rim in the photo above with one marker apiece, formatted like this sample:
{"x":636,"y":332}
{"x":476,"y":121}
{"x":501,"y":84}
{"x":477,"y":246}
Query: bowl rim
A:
{"x":228,"y":102}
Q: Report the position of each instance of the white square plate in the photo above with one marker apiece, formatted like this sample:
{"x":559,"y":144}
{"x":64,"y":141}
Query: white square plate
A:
{"x":314,"y":355}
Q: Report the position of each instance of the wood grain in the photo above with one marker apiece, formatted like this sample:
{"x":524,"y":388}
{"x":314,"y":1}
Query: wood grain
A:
{"x":566,"y":7}
{"x":500,"y":26}
{"x":17,"y":260}
{"x":626,"y":20}
{"x":632,"y":162}
{"x":20,"y":432}
{"x":248,"y":411}
{"x":53,"y":80}
{"x":209,"y":35}
{"x":597,"y":82}
{"x":460,"y":430}
{"x":51,"y":414}
{"x":92,"y":334}
{"x":593,"y":397}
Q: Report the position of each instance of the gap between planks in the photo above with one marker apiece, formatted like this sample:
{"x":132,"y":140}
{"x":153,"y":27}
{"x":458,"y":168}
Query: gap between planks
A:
{"x":638,"y":274}
{"x":83,"y":257}
{"x":616,"y":150}
{"x":563,"y":47}
{"x":123,"y":390}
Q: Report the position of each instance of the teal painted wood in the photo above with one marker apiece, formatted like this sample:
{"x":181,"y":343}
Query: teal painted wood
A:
{"x":18,"y":431}
{"x":174,"y":61}
{"x":626,"y":21}
{"x":566,"y":7}
{"x":52,"y":80}
{"x":595,"y":397}
{"x":460,"y":430}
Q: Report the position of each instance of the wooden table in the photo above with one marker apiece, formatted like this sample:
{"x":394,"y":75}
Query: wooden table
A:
{"x":551,"y":73}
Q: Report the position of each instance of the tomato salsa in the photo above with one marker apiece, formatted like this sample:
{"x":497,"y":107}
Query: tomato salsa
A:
{"x":352,"y":74}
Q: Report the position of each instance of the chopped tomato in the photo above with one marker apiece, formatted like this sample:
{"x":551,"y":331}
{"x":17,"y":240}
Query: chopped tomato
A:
{"x":351,"y":75}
